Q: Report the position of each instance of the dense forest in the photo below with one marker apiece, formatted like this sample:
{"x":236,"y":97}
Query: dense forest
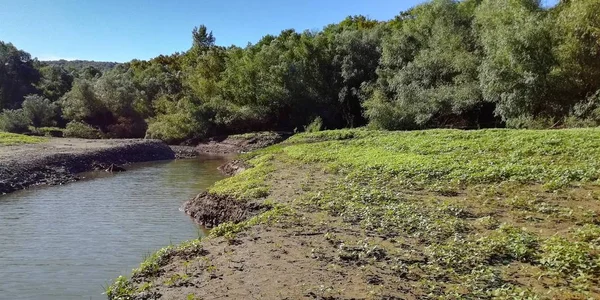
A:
{"x":73,"y":65}
{"x":461,"y":64}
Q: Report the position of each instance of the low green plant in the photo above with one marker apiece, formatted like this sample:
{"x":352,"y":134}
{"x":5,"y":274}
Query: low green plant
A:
{"x":315,"y":126}
{"x":121,"y":289}
{"x":47,"y":131}
{"x":567,"y":258}
{"x":82,"y":130}
{"x":7,"y":139}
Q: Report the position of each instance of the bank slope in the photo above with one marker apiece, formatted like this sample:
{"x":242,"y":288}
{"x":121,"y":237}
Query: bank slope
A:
{"x":27,"y":161}
{"x":357,"y":214}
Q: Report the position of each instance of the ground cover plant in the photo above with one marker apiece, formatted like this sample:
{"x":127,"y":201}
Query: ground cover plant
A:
{"x":15,"y":139}
{"x":439,"y":214}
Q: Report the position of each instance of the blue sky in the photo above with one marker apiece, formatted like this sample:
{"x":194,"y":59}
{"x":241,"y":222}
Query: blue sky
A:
{"x":121,"y":30}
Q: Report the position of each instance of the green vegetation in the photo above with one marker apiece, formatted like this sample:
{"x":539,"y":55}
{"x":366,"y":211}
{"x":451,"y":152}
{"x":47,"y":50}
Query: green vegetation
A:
{"x":488,"y":214}
{"x":443,"y":63}
{"x":7,"y":139}
{"x":77,"y":129}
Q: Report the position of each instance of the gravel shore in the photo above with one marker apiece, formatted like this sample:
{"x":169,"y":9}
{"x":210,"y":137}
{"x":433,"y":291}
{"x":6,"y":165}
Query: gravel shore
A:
{"x":58,"y":161}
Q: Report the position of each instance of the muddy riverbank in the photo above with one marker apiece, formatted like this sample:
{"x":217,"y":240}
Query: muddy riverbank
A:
{"x":356,"y":214}
{"x":58,"y":161}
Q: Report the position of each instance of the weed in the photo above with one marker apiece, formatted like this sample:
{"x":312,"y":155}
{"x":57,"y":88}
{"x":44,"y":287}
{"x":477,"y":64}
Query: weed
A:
{"x":7,"y":139}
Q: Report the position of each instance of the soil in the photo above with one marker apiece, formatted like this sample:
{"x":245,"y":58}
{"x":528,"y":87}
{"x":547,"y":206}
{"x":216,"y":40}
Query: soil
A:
{"x":210,"y":210}
{"x":308,"y":254}
{"x":184,"y":152}
{"x":241,"y":143}
{"x":233,"y":167}
{"x":295,"y":258}
{"x":58,"y":160}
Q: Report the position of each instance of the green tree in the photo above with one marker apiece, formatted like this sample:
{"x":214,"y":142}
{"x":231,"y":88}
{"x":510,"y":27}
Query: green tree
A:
{"x":428,"y":71}
{"x":14,"y":120}
{"x":517,"y":45}
{"x":82,"y":104}
{"x":40,"y":111}
{"x":17,"y":75}
{"x":55,"y":82}
{"x":577,"y":32}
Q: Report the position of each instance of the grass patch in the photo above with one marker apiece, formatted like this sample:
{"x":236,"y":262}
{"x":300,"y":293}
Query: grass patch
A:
{"x":556,"y":157}
{"x":7,"y":139}
{"x":250,"y":183}
{"x":483,"y":207}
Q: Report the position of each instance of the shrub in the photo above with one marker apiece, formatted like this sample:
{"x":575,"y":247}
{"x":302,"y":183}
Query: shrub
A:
{"x":47,"y":131}
{"x":40,"y":111}
{"x":82,"y":130}
{"x":127,"y":128}
{"x":14,"y":121}
{"x":315,"y":126}
{"x":174,"y":128}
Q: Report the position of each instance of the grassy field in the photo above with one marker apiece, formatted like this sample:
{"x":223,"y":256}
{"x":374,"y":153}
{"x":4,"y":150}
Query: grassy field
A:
{"x":439,"y":214}
{"x":7,"y":139}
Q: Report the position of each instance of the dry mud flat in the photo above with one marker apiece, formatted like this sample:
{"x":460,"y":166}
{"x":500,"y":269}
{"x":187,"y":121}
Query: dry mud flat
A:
{"x":57,"y":161}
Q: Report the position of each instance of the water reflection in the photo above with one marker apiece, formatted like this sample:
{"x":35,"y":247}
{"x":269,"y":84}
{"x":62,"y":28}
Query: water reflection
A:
{"x":67,"y":242}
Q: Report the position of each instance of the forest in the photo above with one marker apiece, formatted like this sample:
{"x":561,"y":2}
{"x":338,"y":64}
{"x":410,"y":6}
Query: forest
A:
{"x":442,"y":64}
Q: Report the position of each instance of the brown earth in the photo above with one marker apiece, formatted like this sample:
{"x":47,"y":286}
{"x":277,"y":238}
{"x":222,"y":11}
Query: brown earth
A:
{"x":299,"y":257}
{"x":241,"y":143}
{"x":312,"y":254}
{"x":233,"y":167}
{"x":210,"y":210}
{"x":58,"y":161}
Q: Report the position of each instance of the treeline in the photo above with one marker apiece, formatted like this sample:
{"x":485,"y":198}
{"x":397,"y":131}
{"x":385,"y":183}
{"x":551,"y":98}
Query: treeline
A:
{"x":74,"y":65}
{"x":462,"y":64}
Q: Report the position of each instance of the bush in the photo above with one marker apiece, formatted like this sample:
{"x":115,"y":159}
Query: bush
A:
{"x":82,"y":130}
{"x":174,"y":128}
{"x":14,"y":121}
{"x":127,"y":128}
{"x":47,"y":131}
{"x":315,"y":126}
{"x":40,"y":111}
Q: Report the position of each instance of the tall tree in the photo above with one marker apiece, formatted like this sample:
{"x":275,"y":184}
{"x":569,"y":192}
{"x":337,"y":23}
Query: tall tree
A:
{"x":517,"y":43}
{"x":18,"y":76}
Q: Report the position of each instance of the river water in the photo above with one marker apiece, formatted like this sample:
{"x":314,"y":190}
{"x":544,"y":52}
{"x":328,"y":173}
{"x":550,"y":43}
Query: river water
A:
{"x":70,"y":241}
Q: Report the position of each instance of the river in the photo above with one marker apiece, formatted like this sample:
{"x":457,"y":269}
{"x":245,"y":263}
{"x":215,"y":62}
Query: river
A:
{"x":70,"y":241}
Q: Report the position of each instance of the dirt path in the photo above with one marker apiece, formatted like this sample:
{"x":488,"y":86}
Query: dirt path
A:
{"x":57,"y":161}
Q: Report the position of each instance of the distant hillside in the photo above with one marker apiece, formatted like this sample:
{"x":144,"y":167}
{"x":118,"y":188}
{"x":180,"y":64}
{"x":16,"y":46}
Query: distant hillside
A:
{"x":80,"y":64}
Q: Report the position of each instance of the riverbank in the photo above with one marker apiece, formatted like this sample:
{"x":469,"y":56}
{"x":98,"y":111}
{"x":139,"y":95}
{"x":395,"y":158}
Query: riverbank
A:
{"x":57,"y":161}
{"x":356,"y":214}
{"x":231,"y":144}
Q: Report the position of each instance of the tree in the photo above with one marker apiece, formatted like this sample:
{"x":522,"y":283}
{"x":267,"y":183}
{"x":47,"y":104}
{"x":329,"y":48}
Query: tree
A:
{"x":577,"y":32}
{"x":202,"y":38}
{"x":40,"y":111}
{"x":55,"y":82}
{"x":82,"y":104}
{"x":17,"y":76}
{"x":517,"y":45}
{"x":14,"y":120}
{"x":428,"y":70}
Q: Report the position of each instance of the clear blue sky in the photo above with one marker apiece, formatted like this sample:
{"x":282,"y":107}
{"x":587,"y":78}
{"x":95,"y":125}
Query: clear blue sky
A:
{"x":121,"y":30}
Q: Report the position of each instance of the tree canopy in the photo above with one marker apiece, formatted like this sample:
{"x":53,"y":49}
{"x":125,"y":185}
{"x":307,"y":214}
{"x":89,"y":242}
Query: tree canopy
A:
{"x":443,"y":63}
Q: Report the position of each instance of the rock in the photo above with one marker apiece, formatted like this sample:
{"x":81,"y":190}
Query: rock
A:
{"x":114,"y":169}
{"x":211,"y":210}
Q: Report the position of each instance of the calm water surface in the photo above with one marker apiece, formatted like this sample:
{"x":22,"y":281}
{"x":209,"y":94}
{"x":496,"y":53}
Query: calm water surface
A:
{"x":69,"y":242}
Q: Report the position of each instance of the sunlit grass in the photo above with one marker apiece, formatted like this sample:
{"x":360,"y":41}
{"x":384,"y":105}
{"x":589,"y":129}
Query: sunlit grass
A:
{"x":488,"y":214}
{"x":7,"y":139}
